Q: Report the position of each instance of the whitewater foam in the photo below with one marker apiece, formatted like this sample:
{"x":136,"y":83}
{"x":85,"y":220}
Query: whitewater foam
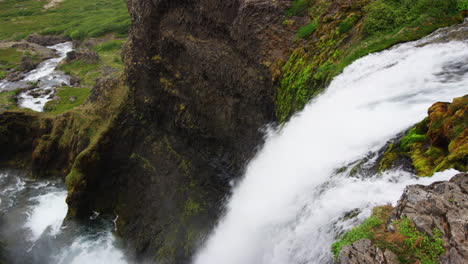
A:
{"x":285,"y":210}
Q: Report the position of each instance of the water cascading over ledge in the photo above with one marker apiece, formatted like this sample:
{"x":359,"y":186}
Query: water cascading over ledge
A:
{"x":292,"y":203}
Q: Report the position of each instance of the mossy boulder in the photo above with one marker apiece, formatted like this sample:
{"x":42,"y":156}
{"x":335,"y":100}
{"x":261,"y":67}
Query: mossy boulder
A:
{"x":437,"y":143}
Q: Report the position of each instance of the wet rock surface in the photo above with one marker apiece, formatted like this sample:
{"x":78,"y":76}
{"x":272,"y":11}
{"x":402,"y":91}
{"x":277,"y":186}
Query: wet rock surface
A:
{"x":441,"y":205}
{"x":199,"y":91}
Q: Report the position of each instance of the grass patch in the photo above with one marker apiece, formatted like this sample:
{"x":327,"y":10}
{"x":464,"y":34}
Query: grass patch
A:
{"x":111,"y":45}
{"x":77,"y":19}
{"x":6,"y":100}
{"x":86,"y":71}
{"x":68,"y":98}
{"x":410,"y":245}
{"x":10,"y":58}
{"x":365,"y":230}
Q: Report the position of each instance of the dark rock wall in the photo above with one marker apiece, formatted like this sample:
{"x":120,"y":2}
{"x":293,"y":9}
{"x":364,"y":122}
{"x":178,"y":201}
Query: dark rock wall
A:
{"x":200,"y":92}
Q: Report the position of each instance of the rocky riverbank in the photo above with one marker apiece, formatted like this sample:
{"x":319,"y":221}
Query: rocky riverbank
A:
{"x":427,"y":225}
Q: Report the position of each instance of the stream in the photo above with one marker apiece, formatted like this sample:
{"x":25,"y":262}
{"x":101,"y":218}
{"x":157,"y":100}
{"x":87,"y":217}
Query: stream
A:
{"x":41,"y":81}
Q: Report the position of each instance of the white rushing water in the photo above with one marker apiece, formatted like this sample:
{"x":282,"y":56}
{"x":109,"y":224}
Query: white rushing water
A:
{"x":288,"y":206}
{"x":45,"y":78}
{"x":48,"y":79}
{"x":31,"y":225}
{"x":48,"y":212}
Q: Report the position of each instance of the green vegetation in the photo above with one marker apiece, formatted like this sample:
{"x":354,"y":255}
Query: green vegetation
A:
{"x":462,"y":5}
{"x":412,"y":137}
{"x":410,"y":245}
{"x":10,"y":58}
{"x":109,"y":56}
{"x":355,"y":234}
{"x":437,"y":143}
{"x":417,"y":246}
{"x":68,"y":98}
{"x":298,"y":7}
{"x":88,"y":72}
{"x":77,"y":19}
{"x":307,"y":30}
{"x":7,"y":100}
{"x":377,"y":26}
{"x":390,"y":15}
{"x":348,"y":23}
{"x":109,"y":53}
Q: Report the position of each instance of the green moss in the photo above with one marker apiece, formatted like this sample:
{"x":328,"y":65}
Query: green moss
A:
{"x":75,"y":18}
{"x":390,"y":15}
{"x":388,"y":158}
{"x":348,"y":23}
{"x":68,"y":98}
{"x":298,"y":7}
{"x":73,"y":179}
{"x":377,"y":26}
{"x":411,"y":138}
{"x":307,"y":30}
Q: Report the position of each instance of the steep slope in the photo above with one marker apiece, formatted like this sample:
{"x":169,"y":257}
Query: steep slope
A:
{"x":159,"y":147}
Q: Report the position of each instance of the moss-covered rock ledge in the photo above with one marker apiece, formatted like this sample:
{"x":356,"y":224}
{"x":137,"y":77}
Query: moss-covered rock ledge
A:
{"x":160,"y":147}
{"x":437,"y":143}
{"x":428,"y":226}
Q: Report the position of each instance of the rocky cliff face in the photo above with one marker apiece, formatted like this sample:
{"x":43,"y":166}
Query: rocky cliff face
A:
{"x":441,"y":207}
{"x":200,"y":92}
{"x":159,"y":147}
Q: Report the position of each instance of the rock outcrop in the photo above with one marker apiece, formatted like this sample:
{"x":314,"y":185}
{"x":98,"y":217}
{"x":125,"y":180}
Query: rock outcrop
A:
{"x":364,"y":252}
{"x":160,"y":147}
{"x":437,"y":143}
{"x":441,"y":205}
{"x":47,"y":40}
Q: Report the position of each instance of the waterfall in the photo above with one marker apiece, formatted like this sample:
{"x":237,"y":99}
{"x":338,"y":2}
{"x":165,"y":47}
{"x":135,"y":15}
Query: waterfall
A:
{"x":32,"y":225}
{"x":290,"y":205}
